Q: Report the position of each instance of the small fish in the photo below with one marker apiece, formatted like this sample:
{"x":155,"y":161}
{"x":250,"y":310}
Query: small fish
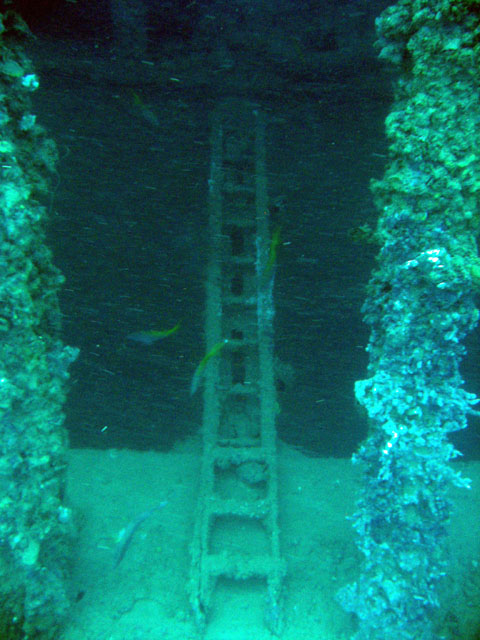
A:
{"x":126,"y":535}
{"x":197,"y":376}
{"x":272,"y":252}
{"x":147,"y":114}
{"x":152,"y":335}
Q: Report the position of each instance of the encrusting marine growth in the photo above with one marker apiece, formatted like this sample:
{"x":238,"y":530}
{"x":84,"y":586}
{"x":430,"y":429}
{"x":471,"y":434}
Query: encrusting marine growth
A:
{"x":420,"y":305}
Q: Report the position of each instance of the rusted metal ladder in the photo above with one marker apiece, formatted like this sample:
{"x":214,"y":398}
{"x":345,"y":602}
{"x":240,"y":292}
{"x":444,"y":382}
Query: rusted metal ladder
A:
{"x":236,"y":534}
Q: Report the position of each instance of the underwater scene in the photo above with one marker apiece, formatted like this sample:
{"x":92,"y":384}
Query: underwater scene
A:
{"x":239,"y":337}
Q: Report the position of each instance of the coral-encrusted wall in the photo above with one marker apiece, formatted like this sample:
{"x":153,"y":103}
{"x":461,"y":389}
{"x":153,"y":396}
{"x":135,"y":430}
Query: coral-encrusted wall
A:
{"x":420,"y":305}
{"x":35,"y":525}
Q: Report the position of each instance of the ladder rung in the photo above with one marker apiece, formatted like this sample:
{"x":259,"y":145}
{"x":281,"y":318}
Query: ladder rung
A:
{"x":237,"y":221}
{"x":247,"y":341}
{"x":255,"y":510}
{"x":251,"y":301}
{"x":234,"y":455}
{"x":240,"y":567}
{"x":237,"y":443}
{"x":243,"y":260}
{"x":238,"y":189}
{"x":240,"y":389}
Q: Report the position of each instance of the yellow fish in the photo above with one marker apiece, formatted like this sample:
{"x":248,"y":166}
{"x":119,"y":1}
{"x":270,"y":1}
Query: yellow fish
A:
{"x":152,"y":335}
{"x":147,"y":114}
{"x":197,"y":376}
{"x":272,"y":252}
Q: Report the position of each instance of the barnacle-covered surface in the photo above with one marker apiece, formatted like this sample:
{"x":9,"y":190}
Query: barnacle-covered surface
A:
{"x":420,"y":306}
{"x":34,"y":523}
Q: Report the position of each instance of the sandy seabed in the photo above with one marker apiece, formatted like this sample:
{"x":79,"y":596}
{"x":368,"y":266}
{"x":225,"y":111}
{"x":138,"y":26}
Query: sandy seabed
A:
{"x":146,"y":596}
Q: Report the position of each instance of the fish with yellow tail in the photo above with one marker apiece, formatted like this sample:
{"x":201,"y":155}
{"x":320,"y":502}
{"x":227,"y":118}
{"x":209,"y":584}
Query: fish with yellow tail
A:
{"x":152,"y":335}
{"x":144,"y":110}
{"x":199,"y":371}
{"x":275,"y":242}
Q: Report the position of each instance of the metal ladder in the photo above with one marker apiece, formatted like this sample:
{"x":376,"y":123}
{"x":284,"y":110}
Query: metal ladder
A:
{"x":236,"y":534}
